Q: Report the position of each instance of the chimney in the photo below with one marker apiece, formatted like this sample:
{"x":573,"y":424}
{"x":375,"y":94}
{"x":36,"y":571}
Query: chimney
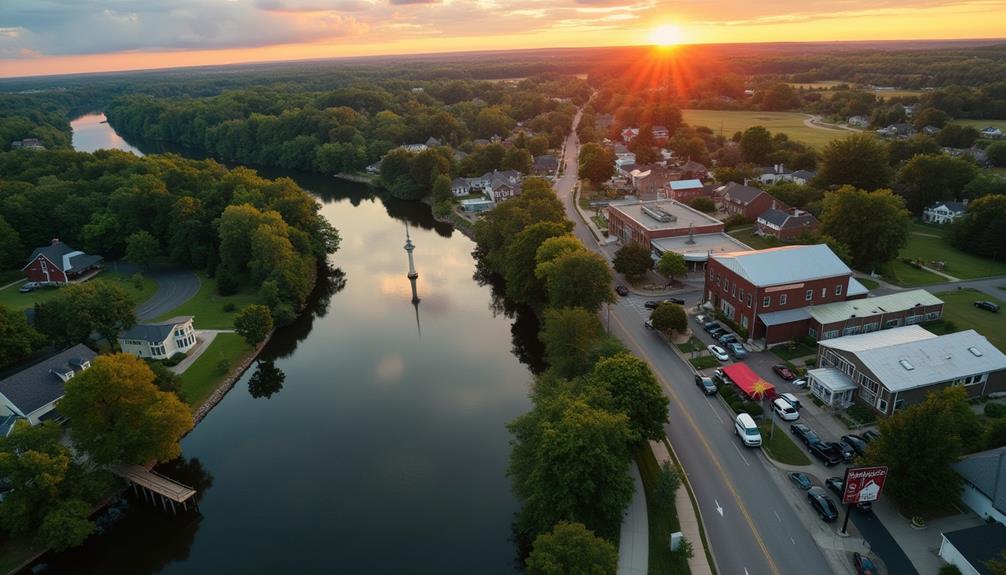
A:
{"x":55,"y":241}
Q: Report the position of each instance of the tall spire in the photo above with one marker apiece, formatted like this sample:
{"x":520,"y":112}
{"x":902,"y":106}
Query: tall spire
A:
{"x":413,"y":276}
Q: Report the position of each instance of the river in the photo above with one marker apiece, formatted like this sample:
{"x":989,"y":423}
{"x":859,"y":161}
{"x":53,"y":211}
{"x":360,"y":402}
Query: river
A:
{"x":383,"y":446}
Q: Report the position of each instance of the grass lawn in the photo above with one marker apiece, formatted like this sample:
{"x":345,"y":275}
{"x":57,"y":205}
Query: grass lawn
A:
{"x":15,"y":300}
{"x":979,"y":124}
{"x":959,"y":308}
{"x":868,"y":283}
{"x":209,"y":371}
{"x":900,"y":273}
{"x":790,"y":123}
{"x":780,"y":447}
{"x":662,"y":520}
{"x":15,"y":551}
{"x":757,"y":242}
{"x":888,"y":94}
{"x":8,"y":276}
{"x":958,"y":264}
{"x":793,"y":350}
{"x":705,"y":362}
{"x":208,"y":306}
{"x":690,"y":346}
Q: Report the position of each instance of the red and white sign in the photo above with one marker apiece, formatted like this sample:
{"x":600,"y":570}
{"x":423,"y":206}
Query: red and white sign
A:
{"x":863,"y":484}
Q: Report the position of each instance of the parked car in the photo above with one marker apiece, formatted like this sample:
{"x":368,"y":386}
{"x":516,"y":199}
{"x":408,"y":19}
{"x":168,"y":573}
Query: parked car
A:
{"x":856,"y":442}
{"x":804,"y":432}
{"x":706,"y":384}
{"x":676,"y":300}
{"x":29,"y":286}
{"x":863,"y":565}
{"x":784,"y":410}
{"x":727,"y":338}
{"x":869,"y":435}
{"x":800,"y":382}
{"x":747,"y":430}
{"x":848,"y":453}
{"x":717,"y":332}
{"x":711,"y":325}
{"x":801,"y":480}
{"x":822,"y":504}
{"x":783,"y":372}
{"x":837,"y":484}
{"x":718,"y":352}
{"x":791,"y":399}
{"x":828,"y":453}
{"x":651,"y":304}
{"x":737,"y":350}
{"x":621,"y":290}
{"x":987,"y":305}
{"x":703,"y":319}
{"x":719,"y":377}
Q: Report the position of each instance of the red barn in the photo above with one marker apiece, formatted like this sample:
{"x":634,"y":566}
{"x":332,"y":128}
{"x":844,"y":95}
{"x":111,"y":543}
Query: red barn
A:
{"x":58,"y":263}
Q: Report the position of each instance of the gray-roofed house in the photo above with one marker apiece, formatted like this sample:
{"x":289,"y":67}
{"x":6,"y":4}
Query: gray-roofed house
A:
{"x":745,"y":201}
{"x":786,"y":225}
{"x":33,"y":392}
{"x":545,"y":164}
{"x":944,"y":212}
{"x":895,"y":368}
{"x":984,"y":475}
{"x":159,"y":340}
{"x":971,"y":549}
{"x":58,"y":263}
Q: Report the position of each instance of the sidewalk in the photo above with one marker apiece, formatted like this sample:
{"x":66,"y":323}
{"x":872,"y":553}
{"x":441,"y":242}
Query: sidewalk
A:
{"x":687,"y":519}
{"x":634,"y":543}
{"x":921,"y":545}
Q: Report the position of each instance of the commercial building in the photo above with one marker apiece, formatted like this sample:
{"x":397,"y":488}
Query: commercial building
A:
{"x":697,"y":248}
{"x":642,"y":222}
{"x":898,"y":367}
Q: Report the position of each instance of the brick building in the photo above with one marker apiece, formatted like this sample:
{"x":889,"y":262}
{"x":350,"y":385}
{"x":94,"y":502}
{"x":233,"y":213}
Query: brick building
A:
{"x":740,"y":200}
{"x":643,"y":222}
{"x":747,"y":285}
{"x":787,"y":225}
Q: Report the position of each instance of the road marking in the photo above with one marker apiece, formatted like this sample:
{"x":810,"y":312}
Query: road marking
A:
{"x":719,"y":508}
{"x":738,"y":450}
{"x":712,"y":455}
{"x":777,"y":516}
{"x":714,"y":410}
{"x":792,"y":540}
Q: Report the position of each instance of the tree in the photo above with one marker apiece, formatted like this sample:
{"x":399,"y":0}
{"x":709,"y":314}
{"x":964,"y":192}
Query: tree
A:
{"x":930,"y":117}
{"x":569,"y":336}
{"x":984,"y":184}
{"x":780,"y":96}
{"x":578,"y":279}
{"x":668,"y":482}
{"x":520,"y":262}
{"x":996,"y":154}
{"x":931,"y":178}
{"x":703,"y":204}
{"x":956,"y":136}
{"x":119,"y":415}
{"x":900,"y":151}
{"x":669,"y":317}
{"x":633,"y":260}
{"x":919,"y":445}
{"x":672,"y":265}
{"x":80,"y":309}
{"x":442,"y":189}
{"x":982,"y":229}
{"x":570,"y":462}
{"x":517,"y":159}
{"x":142,"y":249}
{"x":597,"y":163}
{"x":165,"y":379}
{"x":253,"y":323}
{"x":756,"y":144}
{"x":17,"y":339}
{"x":635,"y":392}
{"x":794,"y":195}
{"x":13,"y":254}
{"x":874,"y":225}
{"x":66,"y":525}
{"x":859,"y":160}
{"x":571,"y":549}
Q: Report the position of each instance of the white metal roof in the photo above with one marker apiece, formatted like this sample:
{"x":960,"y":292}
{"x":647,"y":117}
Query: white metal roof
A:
{"x":784,"y":265}
{"x":856,"y":288}
{"x":700,"y":247}
{"x":686,"y":184}
{"x":877,"y":339}
{"x":831,"y":378}
{"x":895,"y":302}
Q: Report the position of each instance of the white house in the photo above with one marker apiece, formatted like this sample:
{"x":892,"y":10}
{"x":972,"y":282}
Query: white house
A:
{"x":972,"y":548}
{"x":859,"y":121}
{"x":944,"y":212}
{"x":984,"y":476}
{"x":159,"y":340}
{"x":33,"y":392}
{"x":991,"y":132}
{"x":623,"y":156}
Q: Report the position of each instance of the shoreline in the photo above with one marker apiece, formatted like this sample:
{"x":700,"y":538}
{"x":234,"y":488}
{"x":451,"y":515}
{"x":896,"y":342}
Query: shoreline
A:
{"x":356,"y":177}
{"x":227,"y":384}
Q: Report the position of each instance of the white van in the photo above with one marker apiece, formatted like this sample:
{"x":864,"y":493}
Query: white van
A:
{"x":745,"y":428}
{"x":785,"y":410}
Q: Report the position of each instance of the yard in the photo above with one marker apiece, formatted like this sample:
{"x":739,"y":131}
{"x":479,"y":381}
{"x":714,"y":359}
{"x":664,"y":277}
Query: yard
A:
{"x":757,"y":242}
{"x":959,"y":309}
{"x":15,"y":300}
{"x":207,"y":306}
{"x":899,"y":273}
{"x":210,"y":370}
{"x":777,"y":444}
{"x":704,"y":362}
{"x":929,"y":243}
{"x":979,"y":124}
{"x":791,"y":123}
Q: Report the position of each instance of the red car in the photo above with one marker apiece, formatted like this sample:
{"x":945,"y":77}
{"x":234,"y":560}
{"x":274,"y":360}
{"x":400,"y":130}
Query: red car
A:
{"x":783,"y":372}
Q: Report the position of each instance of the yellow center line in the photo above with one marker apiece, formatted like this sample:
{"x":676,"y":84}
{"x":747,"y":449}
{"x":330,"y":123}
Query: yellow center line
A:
{"x":712,"y":455}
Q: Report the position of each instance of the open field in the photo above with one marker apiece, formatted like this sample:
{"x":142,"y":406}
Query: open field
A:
{"x":958,"y":264}
{"x":14,"y":300}
{"x":206,"y":374}
{"x":979,"y":124}
{"x":791,"y":123}
{"x":888,"y":94}
{"x":753,"y":240}
{"x":207,"y":306}
{"x":959,"y":309}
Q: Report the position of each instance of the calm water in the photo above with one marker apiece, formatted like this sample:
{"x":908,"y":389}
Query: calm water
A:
{"x":91,"y":133}
{"x":380,"y":447}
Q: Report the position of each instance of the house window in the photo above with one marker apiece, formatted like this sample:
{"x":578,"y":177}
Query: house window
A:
{"x":782,"y":299}
{"x":744,"y":321}
{"x":812,"y":332}
{"x":824,"y":292}
{"x":933,"y":315}
{"x":870,"y":327}
{"x":830,"y":334}
{"x":766,"y":301}
{"x":838,"y":289}
{"x":809,"y":295}
{"x":733,"y":291}
{"x":913,"y":319}
{"x":882,"y":405}
{"x":898,"y":404}
{"x":749,"y":300}
{"x":892,"y":323}
{"x":850,"y":330}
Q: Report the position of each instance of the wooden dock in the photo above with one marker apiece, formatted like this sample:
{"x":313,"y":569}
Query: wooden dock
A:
{"x":154,"y":484}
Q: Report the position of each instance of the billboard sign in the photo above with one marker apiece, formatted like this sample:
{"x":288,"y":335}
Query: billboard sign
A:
{"x":863,"y":484}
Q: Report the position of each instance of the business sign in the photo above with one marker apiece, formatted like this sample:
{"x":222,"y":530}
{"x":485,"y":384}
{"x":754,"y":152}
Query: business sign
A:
{"x":863,"y":484}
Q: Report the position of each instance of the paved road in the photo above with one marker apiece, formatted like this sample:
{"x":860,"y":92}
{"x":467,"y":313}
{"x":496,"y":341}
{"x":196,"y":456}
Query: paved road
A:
{"x":991,"y":286}
{"x":175,"y":286}
{"x":882,"y":543}
{"x":751,"y":527}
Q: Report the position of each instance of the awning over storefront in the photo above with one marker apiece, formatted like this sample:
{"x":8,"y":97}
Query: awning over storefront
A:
{"x":750,"y":382}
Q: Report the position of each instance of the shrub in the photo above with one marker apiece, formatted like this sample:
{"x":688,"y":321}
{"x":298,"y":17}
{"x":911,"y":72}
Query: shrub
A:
{"x":223,"y":366}
{"x":283,"y":314}
{"x":138,"y":281}
{"x":227,"y":282}
{"x":753,"y":409}
{"x":995,"y":410}
{"x":949,"y":570}
{"x":668,"y":483}
{"x":173,"y":360}
{"x":810,"y":362}
{"x":735,"y":221}
{"x":229,"y":307}
{"x":861,"y":413}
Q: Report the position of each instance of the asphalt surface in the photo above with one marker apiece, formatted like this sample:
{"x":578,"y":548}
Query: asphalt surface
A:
{"x":175,"y":286}
{"x":750,"y":526}
{"x":882,"y":543}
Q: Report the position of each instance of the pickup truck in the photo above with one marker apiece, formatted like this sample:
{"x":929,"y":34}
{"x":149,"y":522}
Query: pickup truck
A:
{"x":828,"y":453}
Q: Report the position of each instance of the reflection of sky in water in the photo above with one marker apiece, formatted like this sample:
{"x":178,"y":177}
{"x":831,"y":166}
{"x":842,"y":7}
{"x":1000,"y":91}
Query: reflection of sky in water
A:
{"x":91,"y":134}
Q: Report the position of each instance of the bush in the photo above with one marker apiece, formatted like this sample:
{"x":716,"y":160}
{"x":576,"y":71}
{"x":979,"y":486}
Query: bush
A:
{"x":229,"y":307}
{"x":173,"y":360}
{"x":949,"y":570}
{"x":703,"y":204}
{"x":861,"y":414}
{"x":668,"y":483}
{"x":735,"y":221}
{"x":995,"y":410}
{"x":283,"y":314}
{"x":138,"y":281}
{"x":753,"y":409}
{"x":227,"y":282}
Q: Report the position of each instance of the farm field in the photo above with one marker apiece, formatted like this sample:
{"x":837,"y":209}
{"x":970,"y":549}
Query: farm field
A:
{"x":790,"y":123}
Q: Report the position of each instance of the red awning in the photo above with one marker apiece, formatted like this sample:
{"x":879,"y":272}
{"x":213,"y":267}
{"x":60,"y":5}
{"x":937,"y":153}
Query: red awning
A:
{"x":750,"y":382}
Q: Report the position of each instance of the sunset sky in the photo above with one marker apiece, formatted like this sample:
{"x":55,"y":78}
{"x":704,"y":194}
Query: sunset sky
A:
{"x":68,"y":36}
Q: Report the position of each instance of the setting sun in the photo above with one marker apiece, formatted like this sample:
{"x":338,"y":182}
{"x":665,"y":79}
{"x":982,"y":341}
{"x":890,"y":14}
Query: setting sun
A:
{"x":667,"y":35}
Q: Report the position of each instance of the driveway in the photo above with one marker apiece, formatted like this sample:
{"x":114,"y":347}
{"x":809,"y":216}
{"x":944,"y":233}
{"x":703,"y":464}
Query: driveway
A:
{"x":882,"y":543}
{"x":175,"y":286}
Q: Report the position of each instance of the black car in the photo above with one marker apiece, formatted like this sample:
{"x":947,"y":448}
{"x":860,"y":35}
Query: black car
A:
{"x":801,"y":480}
{"x":710,"y":326}
{"x":676,"y":300}
{"x":987,"y":305}
{"x":621,"y":290}
{"x":822,"y":504}
{"x":856,"y":442}
{"x":705,"y":384}
{"x":847,"y":451}
{"x":828,"y":453}
{"x":727,"y":339}
{"x":716,"y":333}
{"x":651,"y":304}
{"x":804,"y":432}
{"x":869,"y":435}
{"x":837,"y":485}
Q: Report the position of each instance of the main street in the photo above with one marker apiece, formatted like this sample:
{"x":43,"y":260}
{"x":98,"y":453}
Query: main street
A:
{"x":750,"y":526}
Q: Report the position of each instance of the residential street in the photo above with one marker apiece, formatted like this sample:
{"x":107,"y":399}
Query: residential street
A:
{"x":175,"y":286}
{"x":751,"y":527}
